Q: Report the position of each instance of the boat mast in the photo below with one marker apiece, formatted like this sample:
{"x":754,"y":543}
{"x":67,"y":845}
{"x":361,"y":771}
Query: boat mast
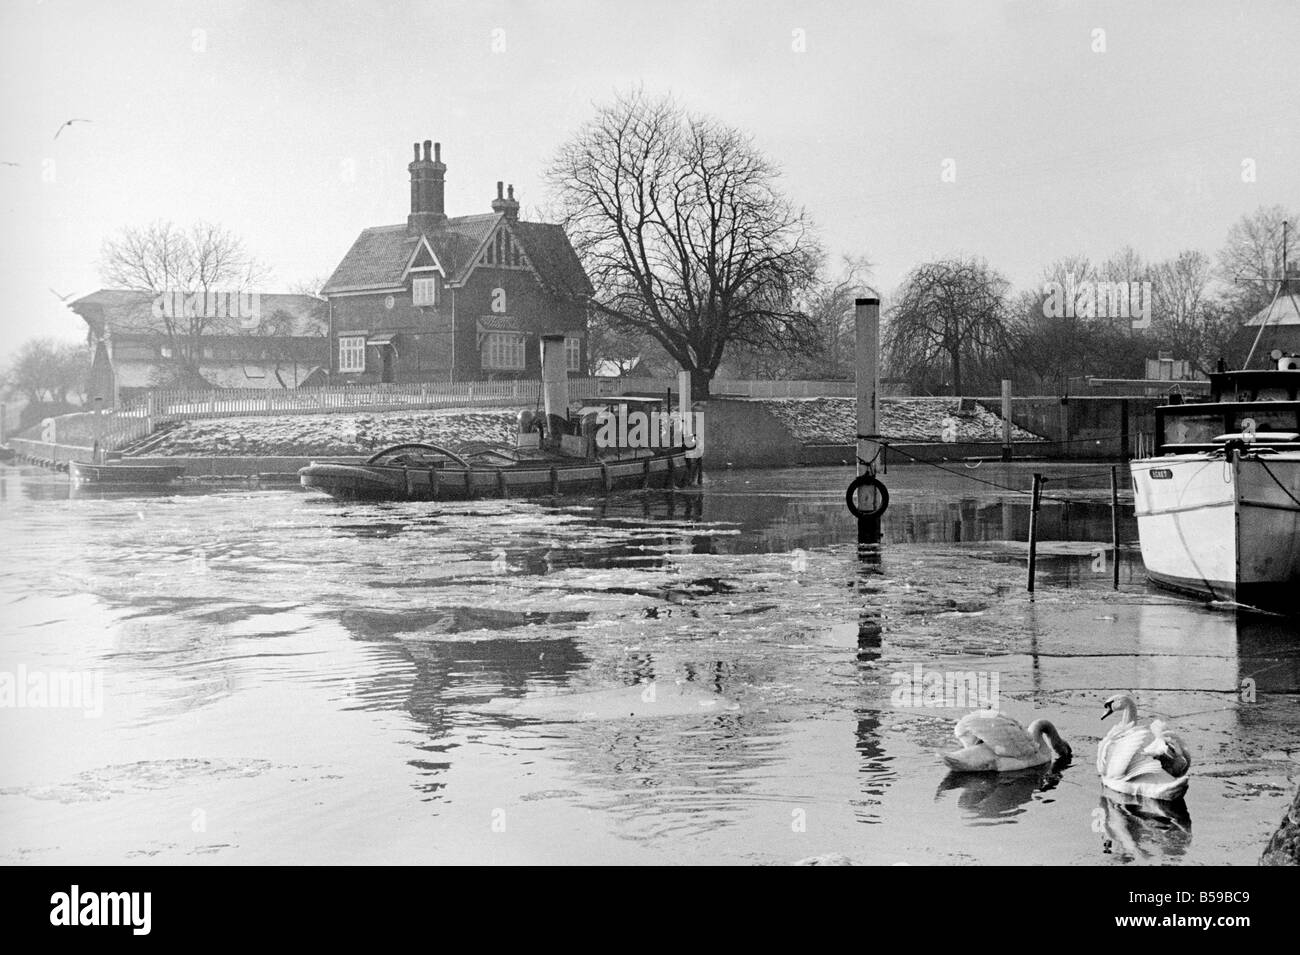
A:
{"x":1281,"y":284}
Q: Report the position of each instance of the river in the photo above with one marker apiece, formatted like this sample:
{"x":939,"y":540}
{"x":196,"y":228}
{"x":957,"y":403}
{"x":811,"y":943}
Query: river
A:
{"x":269,"y":676}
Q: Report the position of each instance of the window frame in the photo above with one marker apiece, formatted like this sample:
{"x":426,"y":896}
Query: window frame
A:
{"x":573,"y":353}
{"x":426,"y":281}
{"x":498,"y":347}
{"x":353,"y":350}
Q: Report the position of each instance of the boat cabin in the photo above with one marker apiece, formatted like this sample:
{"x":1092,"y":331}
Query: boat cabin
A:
{"x":1259,"y":407}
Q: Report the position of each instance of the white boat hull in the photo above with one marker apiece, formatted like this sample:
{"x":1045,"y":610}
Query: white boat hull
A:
{"x":1227,"y":530}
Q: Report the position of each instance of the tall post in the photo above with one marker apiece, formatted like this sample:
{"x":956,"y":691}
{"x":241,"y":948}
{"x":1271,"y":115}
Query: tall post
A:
{"x":97,"y":449}
{"x":1114,"y":523}
{"x":4,"y":422}
{"x":1006,"y":419}
{"x":1033,"y":530}
{"x":555,"y":386}
{"x":867,"y":319}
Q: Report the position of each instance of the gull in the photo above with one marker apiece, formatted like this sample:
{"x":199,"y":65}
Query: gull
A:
{"x":68,"y":123}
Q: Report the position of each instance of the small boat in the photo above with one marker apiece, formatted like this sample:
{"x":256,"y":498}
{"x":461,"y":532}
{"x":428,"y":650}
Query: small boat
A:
{"x":1218,"y":504}
{"x":625,"y":443}
{"x":427,"y":472}
{"x":134,"y":475}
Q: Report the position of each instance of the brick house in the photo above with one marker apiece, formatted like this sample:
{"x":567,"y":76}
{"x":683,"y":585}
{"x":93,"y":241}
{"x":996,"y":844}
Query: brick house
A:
{"x":454,"y":299}
{"x":284,"y":343}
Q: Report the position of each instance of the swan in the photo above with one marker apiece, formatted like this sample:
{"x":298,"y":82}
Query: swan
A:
{"x":1141,"y":758}
{"x":995,"y":743}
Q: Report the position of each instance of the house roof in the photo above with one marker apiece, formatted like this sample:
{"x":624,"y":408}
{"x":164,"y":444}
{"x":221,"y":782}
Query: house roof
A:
{"x":121,"y":311}
{"x":379,"y":256}
{"x":1285,"y":311}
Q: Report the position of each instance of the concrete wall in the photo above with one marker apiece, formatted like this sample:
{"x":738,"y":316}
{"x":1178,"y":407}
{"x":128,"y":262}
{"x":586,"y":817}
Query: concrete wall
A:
{"x":744,"y":434}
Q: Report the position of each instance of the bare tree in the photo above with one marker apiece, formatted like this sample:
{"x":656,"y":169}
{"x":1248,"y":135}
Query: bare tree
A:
{"x":162,"y":258}
{"x":680,"y":225}
{"x":45,"y":371}
{"x":1251,"y":259}
{"x":829,"y":306}
{"x":1186,"y":318}
{"x":949,"y":316}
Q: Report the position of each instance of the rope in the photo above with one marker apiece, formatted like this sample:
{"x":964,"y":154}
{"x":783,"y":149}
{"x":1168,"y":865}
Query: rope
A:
{"x":971,"y":477}
{"x":1285,"y":489}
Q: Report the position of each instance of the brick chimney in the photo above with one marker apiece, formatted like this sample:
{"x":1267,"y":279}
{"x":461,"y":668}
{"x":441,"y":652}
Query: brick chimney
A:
{"x":427,"y":189}
{"x":506,"y":204}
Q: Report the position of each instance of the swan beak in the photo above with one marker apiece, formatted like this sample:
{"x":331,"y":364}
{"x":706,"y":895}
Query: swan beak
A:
{"x":1108,"y":712}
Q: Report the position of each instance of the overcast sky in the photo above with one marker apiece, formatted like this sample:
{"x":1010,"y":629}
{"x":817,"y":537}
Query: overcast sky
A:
{"x":291,"y":122}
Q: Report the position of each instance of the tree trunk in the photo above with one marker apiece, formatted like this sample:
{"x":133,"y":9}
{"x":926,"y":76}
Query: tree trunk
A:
{"x":700,"y":380}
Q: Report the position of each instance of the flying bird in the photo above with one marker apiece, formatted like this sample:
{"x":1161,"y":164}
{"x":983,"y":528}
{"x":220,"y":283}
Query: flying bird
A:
{"x":61,"y":298}
{"x":69,"y":123}
{"x":10,"y":164}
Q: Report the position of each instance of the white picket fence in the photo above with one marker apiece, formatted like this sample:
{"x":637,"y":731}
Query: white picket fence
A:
{"x":168,"y":404}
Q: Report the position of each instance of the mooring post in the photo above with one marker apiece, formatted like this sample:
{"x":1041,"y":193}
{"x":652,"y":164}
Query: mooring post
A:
{"x":1006,"y":419}
{"x":1033,"y":529}
{"x":867,"y":319}
{"x":97,"y":448}
{"x":1114,"y":523}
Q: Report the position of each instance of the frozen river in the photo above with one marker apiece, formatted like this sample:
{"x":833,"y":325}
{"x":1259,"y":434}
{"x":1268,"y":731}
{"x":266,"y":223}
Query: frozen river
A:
{"x":271,"y":676}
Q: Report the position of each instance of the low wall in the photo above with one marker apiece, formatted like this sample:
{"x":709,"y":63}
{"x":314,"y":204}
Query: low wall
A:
{"x":41,"y":452}
{"x":744,"y":434}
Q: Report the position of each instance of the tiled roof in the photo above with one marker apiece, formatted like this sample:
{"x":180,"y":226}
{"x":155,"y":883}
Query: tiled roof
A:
{"x":378,"y":257}
{"x":123,"y":311}
{"x":556,"y":263}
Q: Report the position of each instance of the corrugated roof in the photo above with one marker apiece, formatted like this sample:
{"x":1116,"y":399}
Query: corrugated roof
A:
{"x":124,"y":311}
{"x":1285,"y":311}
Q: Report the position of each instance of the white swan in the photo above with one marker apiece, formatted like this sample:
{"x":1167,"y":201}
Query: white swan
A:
{"x":995,"y":743}
{"x":1141,"y":758}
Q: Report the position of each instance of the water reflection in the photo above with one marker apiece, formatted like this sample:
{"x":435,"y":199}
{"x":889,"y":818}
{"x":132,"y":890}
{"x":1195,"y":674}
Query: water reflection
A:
{"x":994,"y":798}
{"x":1138,"y":829}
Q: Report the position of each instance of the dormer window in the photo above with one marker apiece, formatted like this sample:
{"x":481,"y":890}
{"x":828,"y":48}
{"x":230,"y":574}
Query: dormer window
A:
{"x":424,"y":291}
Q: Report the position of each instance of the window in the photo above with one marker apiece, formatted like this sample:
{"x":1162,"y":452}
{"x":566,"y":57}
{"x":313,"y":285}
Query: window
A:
{"x":503,"y":351}
{"x":352,"y":353}
{"x":424,"y":291}
{"x":503,"y":252}
{"x":573,"y":352}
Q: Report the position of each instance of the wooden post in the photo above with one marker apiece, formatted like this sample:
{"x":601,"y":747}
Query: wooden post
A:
{"x":1114,"y":523}
{"x":1006,"y":419}
{"x":867,"y":319}
{"x":1124,"y":451}
{"x":97,"y":453}
{"x":1033,"y":529}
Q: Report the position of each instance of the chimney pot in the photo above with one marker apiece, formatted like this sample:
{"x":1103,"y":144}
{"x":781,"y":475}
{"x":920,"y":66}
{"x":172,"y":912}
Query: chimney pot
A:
{"x":417,"y":151}
{"x":427,"y":144}
{"x":510,"y":192}
{"x":437,"y":152}
{"x":500,"y":187}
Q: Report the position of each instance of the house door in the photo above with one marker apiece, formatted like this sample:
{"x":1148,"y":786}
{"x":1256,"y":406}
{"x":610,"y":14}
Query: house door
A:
{"x":386,"y":363}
